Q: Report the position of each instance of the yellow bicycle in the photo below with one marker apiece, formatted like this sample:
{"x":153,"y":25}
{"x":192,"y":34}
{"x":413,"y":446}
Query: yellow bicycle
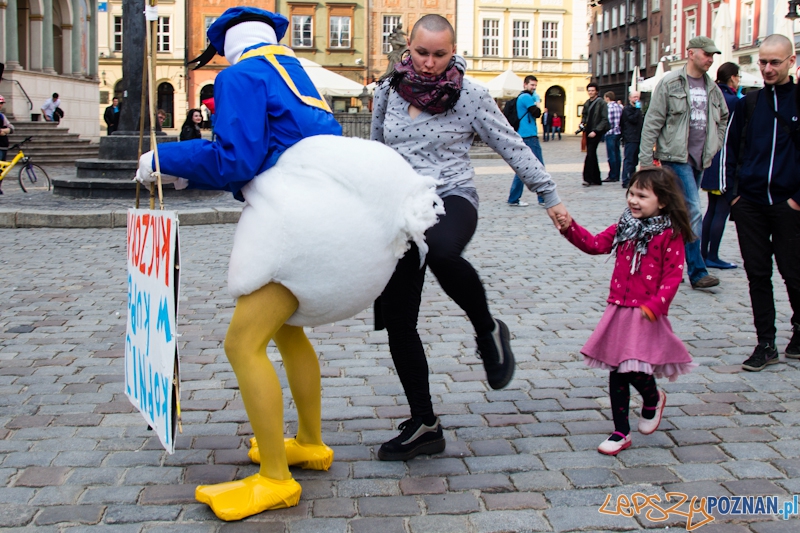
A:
{"x":32,"y":178}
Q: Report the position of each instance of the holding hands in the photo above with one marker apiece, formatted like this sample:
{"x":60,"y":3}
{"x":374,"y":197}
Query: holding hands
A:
{"x":561,"y":218}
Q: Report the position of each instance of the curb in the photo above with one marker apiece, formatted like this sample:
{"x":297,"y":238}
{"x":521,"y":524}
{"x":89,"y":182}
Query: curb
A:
{"x":31,"y":218}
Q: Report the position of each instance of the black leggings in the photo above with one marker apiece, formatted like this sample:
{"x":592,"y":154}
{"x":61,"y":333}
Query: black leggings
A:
{"x":714,"y":225}
{"x":401,"y":298}
{"x":619,"y":388}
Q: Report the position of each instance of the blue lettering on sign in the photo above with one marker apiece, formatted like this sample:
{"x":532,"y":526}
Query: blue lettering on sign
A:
{"x":163,"y":319}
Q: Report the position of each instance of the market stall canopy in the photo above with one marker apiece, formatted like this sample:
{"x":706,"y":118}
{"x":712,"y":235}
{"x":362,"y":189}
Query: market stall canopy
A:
{"x":328,"y":82}
{"x":506,"y":85}
{"x":648,"y":85}
{"x":750,"y":80}
{"x":635,"y":79}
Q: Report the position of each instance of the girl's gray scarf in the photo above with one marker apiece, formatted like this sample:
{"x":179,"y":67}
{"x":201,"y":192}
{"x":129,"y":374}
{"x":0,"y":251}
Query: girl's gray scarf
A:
{"x":639,"y":232}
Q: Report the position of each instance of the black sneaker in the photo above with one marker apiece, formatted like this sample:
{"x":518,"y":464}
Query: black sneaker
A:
{"x":793,"y":348}
{"x":764,"y":354}
{"x":415,"y":438}
{"x":495,"y":350}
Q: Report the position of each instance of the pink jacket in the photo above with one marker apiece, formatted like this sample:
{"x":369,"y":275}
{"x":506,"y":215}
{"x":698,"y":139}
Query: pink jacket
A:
{"x":656,"y":282}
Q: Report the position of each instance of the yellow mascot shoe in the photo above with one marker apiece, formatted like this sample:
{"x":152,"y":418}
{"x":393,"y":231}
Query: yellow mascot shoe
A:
{"x":236,"y":500}
{"x":306,"y":456}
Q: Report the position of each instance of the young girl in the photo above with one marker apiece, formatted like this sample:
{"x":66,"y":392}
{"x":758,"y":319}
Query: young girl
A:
{"x":634,"y":339}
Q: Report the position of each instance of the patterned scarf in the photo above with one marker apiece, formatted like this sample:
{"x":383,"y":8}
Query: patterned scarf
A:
{"x":434,"y":94}
{"x":639,"y":232}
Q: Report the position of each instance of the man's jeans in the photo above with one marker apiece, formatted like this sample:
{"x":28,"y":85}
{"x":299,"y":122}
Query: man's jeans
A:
{"x":517,"y":186}
{"x":612,"y":149}
{"x":630,"y":162}
{"x":689,"y":179}
{"x":547,"y":132}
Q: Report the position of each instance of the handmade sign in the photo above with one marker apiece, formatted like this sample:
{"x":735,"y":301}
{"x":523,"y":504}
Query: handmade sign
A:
{"x":151,"y":351}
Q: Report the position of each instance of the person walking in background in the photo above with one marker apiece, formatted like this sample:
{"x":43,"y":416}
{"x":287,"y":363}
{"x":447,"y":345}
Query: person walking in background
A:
{"x":634,"y":339}
{"x":761,"y":159}
{"x":594,"y":125}
{"x":111,"y":116}
{"x":612,"y":137}
{"x":630,"y":126}
{"x":50,"y":109}
{"x":556,"y":126}
{"x":527,"y":112}
{"x":686,"y":123}
{"x":719,"y":203}
{"x":191,"y":127}
{"x":429,"y":90}
{"x":6,"y":129}
{"x":547,"y":124}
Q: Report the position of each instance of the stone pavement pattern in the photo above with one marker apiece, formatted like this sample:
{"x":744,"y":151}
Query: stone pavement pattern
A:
{"x":75,"y":457}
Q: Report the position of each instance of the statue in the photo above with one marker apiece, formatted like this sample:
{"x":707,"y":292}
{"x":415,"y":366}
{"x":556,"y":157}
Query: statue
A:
{"x":399,"y":41}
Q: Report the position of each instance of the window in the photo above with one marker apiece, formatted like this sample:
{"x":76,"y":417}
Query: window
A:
{"x":614,"y":17}
{"x":747,"y":24}
{"x":599,"y":23}
{"x":521,"y":39}
{"x":633,"y":11}
{"x":302,"y":26}
{"x":340,"y":32}
{"x":117,"y":47}
{"x":163,"y":35}
{"x":622,"y":20}
{"x":613,"y":54}
{"x":606,"y":20}
{"x":691,"y":29}
{"x":605,"y":63}
{"x":390,"y":22}
{"x":622,"y":66}
{"x":208,"y":22}
{"x":491,"y":37}
{"x":656,"y":5}
{"x":596,"y":63}
{"x":642,"y":55}
{"x":654,"y":51}
{"x":644,"y":9}
{"x":549,"y":39}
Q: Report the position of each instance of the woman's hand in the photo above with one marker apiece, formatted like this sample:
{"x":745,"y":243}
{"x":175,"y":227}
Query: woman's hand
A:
{"x":560,"y":216}
{"x":592,"y":135}
{"x":794,"y":205}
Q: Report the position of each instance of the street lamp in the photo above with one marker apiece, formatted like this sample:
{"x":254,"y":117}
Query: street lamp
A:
{"x":794,"y":10}
{"x":365,"y":99}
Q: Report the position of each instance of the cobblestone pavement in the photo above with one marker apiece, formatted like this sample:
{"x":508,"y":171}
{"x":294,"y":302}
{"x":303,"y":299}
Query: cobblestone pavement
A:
{"x":75,"y":457}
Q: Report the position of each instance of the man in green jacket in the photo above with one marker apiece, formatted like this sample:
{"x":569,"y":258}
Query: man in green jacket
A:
{"x":686,"y":124}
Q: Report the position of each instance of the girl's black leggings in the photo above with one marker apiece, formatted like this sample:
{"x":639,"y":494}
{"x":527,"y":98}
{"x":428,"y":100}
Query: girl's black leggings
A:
{"x":400,"y":301}
{"x":619,"y":387}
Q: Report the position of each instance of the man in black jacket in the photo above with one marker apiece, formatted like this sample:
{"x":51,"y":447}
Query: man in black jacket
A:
{"x":111,"y":115}
{"x":595,"y":123}
{"x":547,"y":124}
{"x":631,"y":127}
{"x":760,"y":162}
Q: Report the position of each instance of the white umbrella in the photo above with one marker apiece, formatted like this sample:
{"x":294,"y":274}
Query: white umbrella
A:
{"x":635,"y":80}
{"x":648,"y":85}
{"x":506,"y":85}
{"x":722,"y":30}
{"x":477,"y":82}
{"x":328,"y":82}
{"x":750,"y":80}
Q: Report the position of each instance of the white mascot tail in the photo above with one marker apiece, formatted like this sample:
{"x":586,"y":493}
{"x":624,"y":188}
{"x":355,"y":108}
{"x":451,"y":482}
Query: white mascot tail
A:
{"x":329,"y":222}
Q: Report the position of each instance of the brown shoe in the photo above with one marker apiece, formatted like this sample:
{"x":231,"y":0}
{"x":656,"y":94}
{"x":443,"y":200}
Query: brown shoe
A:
{"x":706,"y":282}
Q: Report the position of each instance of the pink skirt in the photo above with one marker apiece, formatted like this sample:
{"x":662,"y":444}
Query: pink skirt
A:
{"x":626,"y":341}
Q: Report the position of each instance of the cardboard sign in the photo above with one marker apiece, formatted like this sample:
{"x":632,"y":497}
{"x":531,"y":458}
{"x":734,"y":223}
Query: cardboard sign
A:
{"x":151,"y":351}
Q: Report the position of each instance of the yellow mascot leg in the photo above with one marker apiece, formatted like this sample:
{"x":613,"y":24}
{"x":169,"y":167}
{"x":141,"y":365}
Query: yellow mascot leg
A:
{"x":257,"y":318}
{"x":302,"y":370}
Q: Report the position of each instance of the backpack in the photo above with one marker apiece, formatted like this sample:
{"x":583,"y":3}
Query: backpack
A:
{"x":510,"y":112}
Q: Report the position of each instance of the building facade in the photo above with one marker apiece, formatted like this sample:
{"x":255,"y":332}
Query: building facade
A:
{"x":50,"y":46}
{"x":546,"y":38}
{"x":170,"y":59}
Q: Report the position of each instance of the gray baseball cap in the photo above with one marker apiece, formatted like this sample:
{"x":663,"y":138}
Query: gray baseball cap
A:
{"x":705,"y":44}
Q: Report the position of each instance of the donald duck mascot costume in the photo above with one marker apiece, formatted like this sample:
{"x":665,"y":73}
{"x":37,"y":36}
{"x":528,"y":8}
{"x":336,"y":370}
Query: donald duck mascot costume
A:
{"x":325,"y":220}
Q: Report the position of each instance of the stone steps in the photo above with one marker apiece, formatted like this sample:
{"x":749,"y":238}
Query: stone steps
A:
{"x":51,"y":144}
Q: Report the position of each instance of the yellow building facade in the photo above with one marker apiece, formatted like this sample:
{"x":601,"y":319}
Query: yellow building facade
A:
{"x":546,"y":38}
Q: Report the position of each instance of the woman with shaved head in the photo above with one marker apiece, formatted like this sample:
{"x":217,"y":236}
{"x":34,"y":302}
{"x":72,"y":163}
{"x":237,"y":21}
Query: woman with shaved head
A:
{"x":428,"y":112}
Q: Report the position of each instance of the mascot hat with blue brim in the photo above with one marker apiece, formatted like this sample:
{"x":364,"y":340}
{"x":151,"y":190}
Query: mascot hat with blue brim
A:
{"x":229,"y":19}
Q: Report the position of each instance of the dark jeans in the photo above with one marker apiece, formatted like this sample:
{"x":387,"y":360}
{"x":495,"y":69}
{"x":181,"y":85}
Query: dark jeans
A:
{"x":401,"y":298}
{"x":689,"y":179}
{"x":714,"y":225}
{"x":764,"y":231}
{"x":612,"y":149}
{"x":591,"y":168}
{"x":557,"y":129}
{"x":630,"y":162}
{"x":517,"y":186}
{"x":547,"y":133}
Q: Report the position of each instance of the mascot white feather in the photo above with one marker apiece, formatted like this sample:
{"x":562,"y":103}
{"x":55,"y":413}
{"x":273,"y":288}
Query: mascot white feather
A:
{"x":325,"y":220}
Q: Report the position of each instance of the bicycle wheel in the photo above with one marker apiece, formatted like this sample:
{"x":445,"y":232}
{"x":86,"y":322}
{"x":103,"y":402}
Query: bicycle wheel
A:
{"x":33,"y":178}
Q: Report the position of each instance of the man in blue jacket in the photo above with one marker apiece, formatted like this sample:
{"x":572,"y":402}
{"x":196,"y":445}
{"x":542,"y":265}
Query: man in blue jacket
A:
{"x":761,"y":158}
